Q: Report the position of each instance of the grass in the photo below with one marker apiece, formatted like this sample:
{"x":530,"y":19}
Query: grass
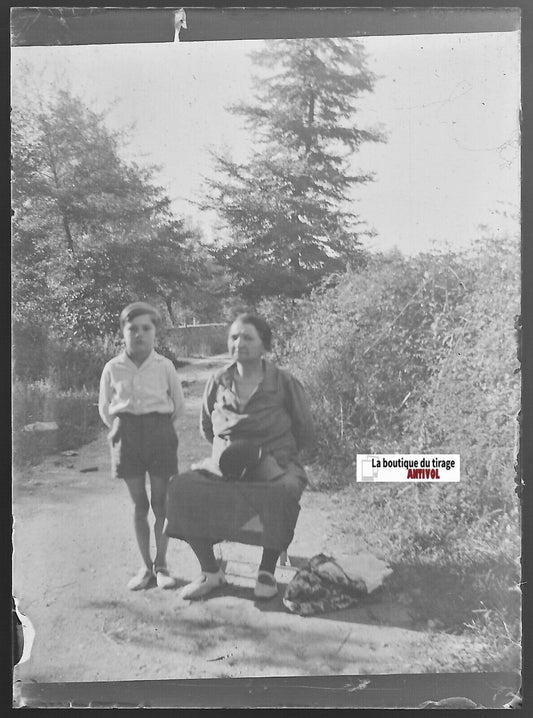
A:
{"x":75,"y":413}
{"x":462,"y":581}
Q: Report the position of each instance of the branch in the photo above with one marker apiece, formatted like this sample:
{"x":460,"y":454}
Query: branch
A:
{"x":387,"y":330}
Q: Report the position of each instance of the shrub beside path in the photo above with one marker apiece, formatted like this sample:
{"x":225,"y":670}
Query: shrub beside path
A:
{"x":74,"y":552}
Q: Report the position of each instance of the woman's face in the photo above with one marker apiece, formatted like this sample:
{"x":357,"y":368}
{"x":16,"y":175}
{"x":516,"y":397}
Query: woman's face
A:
{"x":244,"y":342}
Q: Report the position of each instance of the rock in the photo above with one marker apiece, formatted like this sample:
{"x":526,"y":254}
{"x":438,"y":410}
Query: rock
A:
{"x":367,"y":567}
{"x":69,"y":453}
{"x":35,"y":441}
{"x":86,"y":469}
{"x":41,"y":426}
{"x":434,"y":624}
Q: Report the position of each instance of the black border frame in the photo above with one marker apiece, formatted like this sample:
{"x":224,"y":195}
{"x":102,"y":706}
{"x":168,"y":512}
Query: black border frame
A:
{"x":392,"y":691}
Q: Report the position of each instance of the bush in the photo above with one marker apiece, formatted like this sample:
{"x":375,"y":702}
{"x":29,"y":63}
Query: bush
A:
{"x":68,"y":365}
{"x":78,"y":419}
{"x":30,"y":362}
{"x":165,"y":348}
{"x":285,"y":316}
{"x":79,"y":365}
{"x":470,"y":405}
{"x":365,"y":346}
{"x":420,"y":356}
{"x":75,"y":413}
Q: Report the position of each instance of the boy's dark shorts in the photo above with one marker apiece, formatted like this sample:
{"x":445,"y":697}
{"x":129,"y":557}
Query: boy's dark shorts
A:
{"x":141,"y":443}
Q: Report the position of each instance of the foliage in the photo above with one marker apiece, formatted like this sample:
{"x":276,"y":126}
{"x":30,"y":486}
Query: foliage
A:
{"x":285,"y":316}
{"x":420,"y":355}
{"x":367,"y":342}
{"x":74,"y":411}
{"x":472,"y":401}
{"x":285,"y":208}
{"x":76,"y":364}
{"x":91,"y":232}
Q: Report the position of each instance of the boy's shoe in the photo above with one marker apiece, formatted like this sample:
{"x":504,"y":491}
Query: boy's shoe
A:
{"x":141,"y":580}
{"x":265,"y":586}
{"x":163,"y":578}
{"x":204,"y":584}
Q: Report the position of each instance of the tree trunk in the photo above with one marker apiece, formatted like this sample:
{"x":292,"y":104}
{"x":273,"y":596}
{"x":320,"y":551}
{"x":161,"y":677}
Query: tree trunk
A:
{"x":168,"y":302}
{"x":70,"y":244}
{"x":64,"y":220}
{"x":310,"y":121}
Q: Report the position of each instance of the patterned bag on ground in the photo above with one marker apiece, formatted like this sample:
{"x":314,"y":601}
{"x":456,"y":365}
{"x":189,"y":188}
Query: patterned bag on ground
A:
{"x":323,"y":585}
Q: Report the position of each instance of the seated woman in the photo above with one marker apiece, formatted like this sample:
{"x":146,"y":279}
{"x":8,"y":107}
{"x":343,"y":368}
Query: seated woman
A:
{"x":257,"y":418}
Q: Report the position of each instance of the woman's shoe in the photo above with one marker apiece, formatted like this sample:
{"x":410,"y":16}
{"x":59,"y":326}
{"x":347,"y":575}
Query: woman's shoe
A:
{"x":204,"y":584}
{"x":141,"y":580}
{"x":163,"y":578}
{"x":265,"y":586}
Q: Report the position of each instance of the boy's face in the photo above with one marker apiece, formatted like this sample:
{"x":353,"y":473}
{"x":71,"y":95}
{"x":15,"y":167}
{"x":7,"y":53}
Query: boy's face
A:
{"x":139,"y":335}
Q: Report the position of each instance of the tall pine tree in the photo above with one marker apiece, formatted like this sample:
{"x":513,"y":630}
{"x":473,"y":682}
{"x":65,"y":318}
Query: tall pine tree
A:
{"x":286,"y":208}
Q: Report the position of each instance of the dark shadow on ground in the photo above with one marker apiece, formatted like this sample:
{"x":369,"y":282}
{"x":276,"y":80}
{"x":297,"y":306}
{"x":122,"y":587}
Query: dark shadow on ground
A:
{"x":373,"y":610}
{"x":417,"y":597}
{"x":219,"y":635}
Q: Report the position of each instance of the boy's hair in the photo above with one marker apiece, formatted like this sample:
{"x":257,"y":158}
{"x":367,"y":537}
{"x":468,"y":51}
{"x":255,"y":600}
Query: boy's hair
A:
{"x":136,"y":309}
{"x":262,"y":327}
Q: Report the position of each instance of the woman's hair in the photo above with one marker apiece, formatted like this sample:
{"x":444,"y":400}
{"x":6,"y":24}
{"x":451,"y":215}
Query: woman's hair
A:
{"x":264,"y":331}
{"x":136,"y":309}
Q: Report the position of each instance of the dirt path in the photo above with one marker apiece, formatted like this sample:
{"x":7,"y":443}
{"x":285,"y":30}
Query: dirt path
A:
{"x":74,"y":552}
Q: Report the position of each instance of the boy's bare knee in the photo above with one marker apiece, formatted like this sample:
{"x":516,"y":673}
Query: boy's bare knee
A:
{"x":158,"y":506}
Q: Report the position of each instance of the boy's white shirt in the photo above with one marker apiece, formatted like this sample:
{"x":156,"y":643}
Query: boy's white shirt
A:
{"x":152,"y":387}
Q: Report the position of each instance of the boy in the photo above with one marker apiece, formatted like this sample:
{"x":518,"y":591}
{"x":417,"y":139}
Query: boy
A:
{"x":141,"y":400}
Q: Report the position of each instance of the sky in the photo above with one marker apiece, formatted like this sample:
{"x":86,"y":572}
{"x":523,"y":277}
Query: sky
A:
{"x":448,"y":104}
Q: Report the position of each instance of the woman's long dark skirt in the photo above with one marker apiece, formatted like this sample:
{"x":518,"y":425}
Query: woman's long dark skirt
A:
{"x":258,"y":513}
